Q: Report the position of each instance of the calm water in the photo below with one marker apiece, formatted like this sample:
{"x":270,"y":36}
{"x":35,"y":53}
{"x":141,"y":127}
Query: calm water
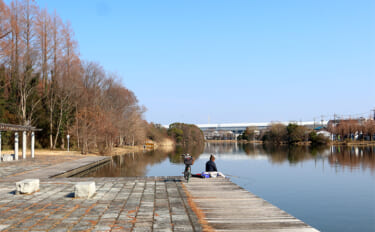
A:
{"x":332,"y":189}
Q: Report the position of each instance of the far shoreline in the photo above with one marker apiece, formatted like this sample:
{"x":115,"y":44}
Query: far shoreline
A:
{"x":332,"y":143}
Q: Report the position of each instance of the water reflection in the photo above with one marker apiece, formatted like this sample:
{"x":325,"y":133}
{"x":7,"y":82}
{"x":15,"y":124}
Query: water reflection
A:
{"x":195,"y":151}
{"x":133,"y":164}
{"x":337,"y":156}
{"x":353,"y":157}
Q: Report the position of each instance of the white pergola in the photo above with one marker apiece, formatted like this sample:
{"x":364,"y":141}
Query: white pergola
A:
{"x":24,"y":130}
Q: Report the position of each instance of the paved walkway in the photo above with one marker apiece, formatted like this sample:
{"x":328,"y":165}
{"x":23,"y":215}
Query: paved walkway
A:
{"x":48,"y":168}
{"x":11,"y":168}
{"x":120,"y":204}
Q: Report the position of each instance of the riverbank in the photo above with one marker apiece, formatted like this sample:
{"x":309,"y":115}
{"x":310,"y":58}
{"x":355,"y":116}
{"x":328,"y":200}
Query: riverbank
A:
{"x":166,"y":145}
{"x":342,"y":143}
{"x":234,"y":141}
{"x":353,"y":143}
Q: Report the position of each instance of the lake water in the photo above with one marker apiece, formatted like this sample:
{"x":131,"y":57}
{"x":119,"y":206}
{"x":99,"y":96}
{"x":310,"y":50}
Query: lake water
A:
{"x":331,"y":189}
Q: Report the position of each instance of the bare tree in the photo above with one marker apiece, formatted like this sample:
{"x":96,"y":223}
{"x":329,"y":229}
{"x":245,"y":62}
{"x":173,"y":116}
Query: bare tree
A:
{"x":65,"y":80}
{"x":278,"y":132}
{"x":39,"y":61}
{"x":5,"y":29}
{"x":26,"y":54}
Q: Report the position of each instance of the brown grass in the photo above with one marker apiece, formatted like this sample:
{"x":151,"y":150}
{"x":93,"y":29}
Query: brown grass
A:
{"x":41,"y":152}
{"x":200,"y":214}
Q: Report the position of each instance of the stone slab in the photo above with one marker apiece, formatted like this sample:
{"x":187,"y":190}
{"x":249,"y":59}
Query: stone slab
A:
{"x":7,"y":157}
{"x":27,"y":186}
{"x":84,"y":189}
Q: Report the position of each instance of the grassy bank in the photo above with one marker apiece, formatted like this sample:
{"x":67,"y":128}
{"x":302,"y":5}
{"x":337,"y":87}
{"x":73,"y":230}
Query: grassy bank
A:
{"x":165,"y":145}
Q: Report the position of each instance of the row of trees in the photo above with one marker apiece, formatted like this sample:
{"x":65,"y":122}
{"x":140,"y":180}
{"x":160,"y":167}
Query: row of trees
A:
{"x":279,"y":133}
{"x":352,"y":129}
{"x":44,"y":83}
{"x":291,"y":134}
{"x":349,"y":129}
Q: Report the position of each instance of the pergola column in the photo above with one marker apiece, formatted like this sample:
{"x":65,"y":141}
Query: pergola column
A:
{"x":24,"y":145}
{"x":17,"y":129}
{"x":32,"y":144}
{"x":16,"y":146}
{"x":0,"y":146}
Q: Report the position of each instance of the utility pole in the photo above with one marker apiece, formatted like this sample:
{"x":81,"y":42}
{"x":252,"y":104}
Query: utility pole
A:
{"x":333,"y":125}
{"x":314,"y":123}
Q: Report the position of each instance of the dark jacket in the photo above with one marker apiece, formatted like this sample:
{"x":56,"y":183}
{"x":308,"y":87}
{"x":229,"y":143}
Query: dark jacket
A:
{"x":211,"y":166}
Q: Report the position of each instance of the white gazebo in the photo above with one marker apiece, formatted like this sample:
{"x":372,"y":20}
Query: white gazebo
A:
{"x":24,"y":130}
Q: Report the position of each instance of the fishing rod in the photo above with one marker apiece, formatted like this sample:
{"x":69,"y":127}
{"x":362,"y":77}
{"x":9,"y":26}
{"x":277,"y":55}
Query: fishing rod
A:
{"x":241,"y":177}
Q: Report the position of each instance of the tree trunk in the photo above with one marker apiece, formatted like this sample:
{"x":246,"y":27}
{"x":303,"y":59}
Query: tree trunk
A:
{"x":58,"y":125}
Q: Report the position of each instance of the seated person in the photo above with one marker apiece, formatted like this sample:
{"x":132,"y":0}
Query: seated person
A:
{"x":210,"y":165}
{"x":211,"y":168}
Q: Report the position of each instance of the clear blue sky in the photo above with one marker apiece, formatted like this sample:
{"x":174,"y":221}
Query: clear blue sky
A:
{"x":233,"y":61}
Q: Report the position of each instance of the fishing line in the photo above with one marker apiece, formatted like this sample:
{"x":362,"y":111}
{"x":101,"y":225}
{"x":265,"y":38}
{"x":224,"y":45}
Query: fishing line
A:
{"x":241,"y":177}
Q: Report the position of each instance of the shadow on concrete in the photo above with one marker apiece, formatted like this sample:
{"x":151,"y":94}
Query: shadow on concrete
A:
{"x":70,"y":195}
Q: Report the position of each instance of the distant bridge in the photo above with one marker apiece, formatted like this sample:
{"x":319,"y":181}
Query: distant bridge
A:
{"x":236,"y":127}
{"x":239,"y":128}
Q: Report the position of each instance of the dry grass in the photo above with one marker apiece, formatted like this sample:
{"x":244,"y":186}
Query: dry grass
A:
{"x":41,"y":152}
{"x":200,"y":214}
{"x":166,"y":145}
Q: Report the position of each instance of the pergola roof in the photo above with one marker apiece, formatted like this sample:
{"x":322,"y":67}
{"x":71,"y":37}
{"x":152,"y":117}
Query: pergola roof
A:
{"x":13,"y":127}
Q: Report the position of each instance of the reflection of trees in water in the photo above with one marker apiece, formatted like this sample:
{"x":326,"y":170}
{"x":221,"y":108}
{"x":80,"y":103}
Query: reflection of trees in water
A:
{"x":353,"y":157}
{"x":252,"y":149}
{"x":282,"y":153}
{"x":136,"y":164}
{"x":195,"y":151}
{"x":278,"y":153}
{"x":345,"y":156}
{"x":220,"y":148}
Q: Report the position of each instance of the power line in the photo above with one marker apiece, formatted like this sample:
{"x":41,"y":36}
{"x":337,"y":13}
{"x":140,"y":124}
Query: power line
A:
{"x":338,"y":116}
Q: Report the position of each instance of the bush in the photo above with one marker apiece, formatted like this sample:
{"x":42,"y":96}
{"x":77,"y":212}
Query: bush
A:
{"x":296,"y":133}
{"x":186,"y":134}
{"x":318,"y":139}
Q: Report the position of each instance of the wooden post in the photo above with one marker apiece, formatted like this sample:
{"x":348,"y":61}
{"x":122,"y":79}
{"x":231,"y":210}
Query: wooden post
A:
{"x":24,"y":145}
{"x":32,"y":144}
{"x":16,"y":146}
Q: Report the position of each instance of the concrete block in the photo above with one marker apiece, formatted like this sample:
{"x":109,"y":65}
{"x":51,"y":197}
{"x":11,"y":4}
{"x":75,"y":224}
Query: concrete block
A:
{"x":8,"y":157}
{"x":84,"y":189}
{"x":27,"y":186}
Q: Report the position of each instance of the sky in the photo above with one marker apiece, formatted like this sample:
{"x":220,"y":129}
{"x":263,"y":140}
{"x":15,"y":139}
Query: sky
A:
{"x":217,"y":61}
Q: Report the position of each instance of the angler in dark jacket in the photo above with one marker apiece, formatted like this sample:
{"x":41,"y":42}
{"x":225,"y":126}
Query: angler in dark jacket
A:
{"x":210,"y":165}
